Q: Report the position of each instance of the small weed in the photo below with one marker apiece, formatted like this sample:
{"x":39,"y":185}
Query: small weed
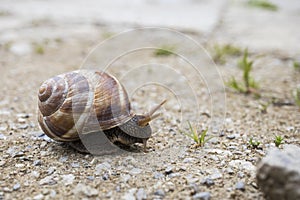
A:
{"x":263,"y":107}
{"x":278,"y":140}
{"x":254,"y":144}
{"x":4,"y":13}
{"x":296,"y":65}
{"x":107,"y":34}
{"x":249,"y":85}
{"x":264,"y":4}
{"x":220,"y":52}
{"x":164,"y":51}
{"x":297,"y":96}
{"x":199,"y":138}
{"x":39,"y":49}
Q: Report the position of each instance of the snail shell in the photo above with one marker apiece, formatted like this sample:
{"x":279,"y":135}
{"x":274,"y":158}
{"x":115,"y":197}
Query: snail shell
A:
{"x":87,"y":101}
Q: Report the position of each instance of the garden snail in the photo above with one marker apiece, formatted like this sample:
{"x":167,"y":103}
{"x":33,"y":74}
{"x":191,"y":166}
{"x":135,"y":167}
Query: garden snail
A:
{"x":78,"y":104}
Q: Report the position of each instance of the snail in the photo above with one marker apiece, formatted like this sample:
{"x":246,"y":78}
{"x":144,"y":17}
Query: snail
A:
{"x":84,"y":104}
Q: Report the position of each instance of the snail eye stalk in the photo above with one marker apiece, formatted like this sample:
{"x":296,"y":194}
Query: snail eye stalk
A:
{"x":150,"y":115}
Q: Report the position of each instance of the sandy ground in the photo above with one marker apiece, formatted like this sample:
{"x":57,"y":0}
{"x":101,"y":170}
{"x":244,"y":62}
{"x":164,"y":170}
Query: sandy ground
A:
{"x":36,"y":167}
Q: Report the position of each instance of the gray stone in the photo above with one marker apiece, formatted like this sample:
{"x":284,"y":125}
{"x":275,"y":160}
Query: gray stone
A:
{"x":100,"y":167}
{"x":159,"y":192}
{"x":129,"y":195}
{"x":240,"y":186}
{"x":21,"y":49}
{"x":105,"y":176}
{"x":141,"y":194}
{"x":188,"y":160}
{"x":2,"y":163}
{"x":85,"y":189}
{"x":231,"y":137}
{"x":91,"y":178}
{"x":68,"y":179}
{"x":48,"y":180}
{"x":75,"y":165}
{"x":38,"y":197}
{"x":51,"y":170}
{"x":17,"y":186}
{"x":169,"y":170}
{"x":158,"y":175}
{"x":202,"y":196}
{"x":242,"y":164}
{"x":37,"y":162}
{"x":135,"y":171}
{"x":2,"y":137}
{"x":63,"y":159}
{"x":278,"y":173}
{"x":208,"y":182}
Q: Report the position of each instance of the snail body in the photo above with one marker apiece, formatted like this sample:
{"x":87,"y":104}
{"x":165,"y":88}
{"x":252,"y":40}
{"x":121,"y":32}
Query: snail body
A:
{"x":88,"y":103}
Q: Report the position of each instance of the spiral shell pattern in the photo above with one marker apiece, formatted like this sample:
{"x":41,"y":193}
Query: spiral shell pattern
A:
{"x":80,"y":102}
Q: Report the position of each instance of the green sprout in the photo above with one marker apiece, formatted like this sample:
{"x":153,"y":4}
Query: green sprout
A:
{"x":39,"y":49}
{"x":263,"y":107}
{"x":264,"y":4}
{"x":199,"y":138}
{"x":296,"y":65}
{"x":278,"y":140}
{"x":164,"y":51}
{"x":254,"y":144}
{"x":249,"y":85}
{"x":220,"y":52}
{"x":297,"y":96}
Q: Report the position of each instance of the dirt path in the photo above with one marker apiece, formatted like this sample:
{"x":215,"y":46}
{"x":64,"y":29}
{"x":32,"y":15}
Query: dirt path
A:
{"x":36,"y":167}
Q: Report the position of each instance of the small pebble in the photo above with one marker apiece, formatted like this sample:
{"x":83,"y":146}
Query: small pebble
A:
{"x":20,"y":165}
{"x":229,"y":171}
{"x":158,"y":175}
{"x":2,"y":163}
{"x":105,"y":176}
{"x":2,"y":137}
{"x":38,"y":197}
{"x":135,"y":171}
{"x":23,"y":115}
{"x":85,"y":189}
{"x":23,"y":126}
{"x":100,"y":167}
{"x":231,"y":137}
{"x":21,"y":120}
{"x":208,"y":182}
{"x":141,"y":194}
{"x":188,"y":160}
{"x":48,"y":180}
{"x":35,"y":174}
{"x":7,"y":189}
{"x":169,"y":170}
{"x":159,"y":192}
{"x":37,"y":162}
{"x":195,"y":188}
{"x":16,"y":187}
{"x":91,"y":178}
{"x":75,"y":165}
{"x":202,"y":196}
{"x":63,"y":159}
{"x":19,"y":154}
{"x":68,"y":179}
{"x":240,"y":186}
{"x":51,"y":170}
{"x":129,"y":195}
{"x":125,"y":177}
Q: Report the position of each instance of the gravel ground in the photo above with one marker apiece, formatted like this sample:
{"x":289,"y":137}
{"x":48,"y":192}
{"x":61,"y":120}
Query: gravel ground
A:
{"x":35,"y":167}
